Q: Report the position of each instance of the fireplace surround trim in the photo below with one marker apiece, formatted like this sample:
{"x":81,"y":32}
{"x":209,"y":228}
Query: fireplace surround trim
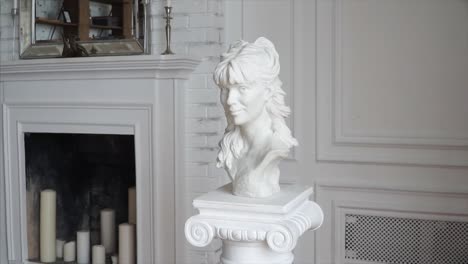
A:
{"x":43,"y":96}
{"x":29,"y":119}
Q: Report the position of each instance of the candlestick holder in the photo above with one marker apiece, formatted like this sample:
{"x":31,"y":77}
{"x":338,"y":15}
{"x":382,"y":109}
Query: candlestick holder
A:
{"x":168,"y":18}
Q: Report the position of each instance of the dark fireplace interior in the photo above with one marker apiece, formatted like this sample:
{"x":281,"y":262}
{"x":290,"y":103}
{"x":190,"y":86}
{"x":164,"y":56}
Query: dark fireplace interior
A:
{"x":89,"y":172}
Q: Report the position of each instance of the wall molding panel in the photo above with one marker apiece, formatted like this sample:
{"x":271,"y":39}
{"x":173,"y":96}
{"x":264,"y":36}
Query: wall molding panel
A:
{"x":341,"y":136}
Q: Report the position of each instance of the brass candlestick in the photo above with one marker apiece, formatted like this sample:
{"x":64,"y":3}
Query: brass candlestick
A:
{"x":168,"y":30}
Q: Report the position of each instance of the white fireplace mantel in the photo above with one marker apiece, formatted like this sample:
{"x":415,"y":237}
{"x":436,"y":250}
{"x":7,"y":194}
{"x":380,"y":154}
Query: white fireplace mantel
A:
{"x":143,"y":66}
{"x":136,"y":95}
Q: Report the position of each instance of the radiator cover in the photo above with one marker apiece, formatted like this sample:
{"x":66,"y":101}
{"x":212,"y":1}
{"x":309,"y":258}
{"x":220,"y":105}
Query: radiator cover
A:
{"x":398,"y":240}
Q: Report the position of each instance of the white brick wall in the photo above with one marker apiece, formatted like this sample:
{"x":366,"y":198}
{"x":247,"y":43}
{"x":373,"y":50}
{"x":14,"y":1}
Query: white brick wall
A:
{"x":7,"y":38}
{"x":197,"y":29}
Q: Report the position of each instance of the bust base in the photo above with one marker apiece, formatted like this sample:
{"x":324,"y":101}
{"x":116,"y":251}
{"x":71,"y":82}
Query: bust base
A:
{"x":254,"y":230}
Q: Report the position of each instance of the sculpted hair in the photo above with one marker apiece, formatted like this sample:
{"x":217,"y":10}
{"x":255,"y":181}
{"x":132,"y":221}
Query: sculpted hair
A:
{"x":248,"y":63}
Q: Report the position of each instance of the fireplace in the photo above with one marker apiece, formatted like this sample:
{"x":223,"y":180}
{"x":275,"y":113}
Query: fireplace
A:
{"x":89,"y":173}
{"x":131,"y":104}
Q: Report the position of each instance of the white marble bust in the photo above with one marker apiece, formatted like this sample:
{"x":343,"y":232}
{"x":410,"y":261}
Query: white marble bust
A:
{"x":256,"y":138}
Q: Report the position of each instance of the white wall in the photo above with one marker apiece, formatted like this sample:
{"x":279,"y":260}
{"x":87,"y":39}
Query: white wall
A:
{"x":378,"y":90}
{"x":198,"y":30}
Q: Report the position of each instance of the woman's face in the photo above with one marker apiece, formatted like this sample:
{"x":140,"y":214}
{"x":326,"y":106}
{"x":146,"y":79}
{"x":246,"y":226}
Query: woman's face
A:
{"x":244,"y":102}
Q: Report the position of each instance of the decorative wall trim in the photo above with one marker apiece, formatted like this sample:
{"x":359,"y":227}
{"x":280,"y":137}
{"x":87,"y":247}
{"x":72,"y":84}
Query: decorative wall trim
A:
{"x":375,"y":188}
{"x":294,"y":93}
{"x":3,"y":230}
{"x":179,"y":170}
{"x":336,"y":143}
{"x":345,"y":135}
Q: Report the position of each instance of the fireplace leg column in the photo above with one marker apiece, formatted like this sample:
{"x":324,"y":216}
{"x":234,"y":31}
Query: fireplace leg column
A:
{"x":261,"y":231}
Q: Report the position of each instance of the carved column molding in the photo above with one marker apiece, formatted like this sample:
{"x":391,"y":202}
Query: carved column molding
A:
{"x":254,"y":230}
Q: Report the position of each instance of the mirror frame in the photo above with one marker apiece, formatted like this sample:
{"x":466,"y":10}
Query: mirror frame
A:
{"x":29,"y":49}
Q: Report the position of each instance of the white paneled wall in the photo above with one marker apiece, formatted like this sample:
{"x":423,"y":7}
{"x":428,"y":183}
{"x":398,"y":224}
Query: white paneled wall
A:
{"x":378,"y":90}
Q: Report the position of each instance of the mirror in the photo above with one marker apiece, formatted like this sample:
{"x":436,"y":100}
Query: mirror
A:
{"x":78,"y":28}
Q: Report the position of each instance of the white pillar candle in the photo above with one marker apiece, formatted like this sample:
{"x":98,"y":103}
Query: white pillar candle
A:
{"x":168,"y":3}
{"x":99,"y":254}
{"x":132,"y":205}
{"x":83,"y":247}
{"x":69,"y":251}
{"x":115,"y":259}
{"x":108,"y":230}
{"x":59,"y":248}
{"x":127,"y":243}
{"x":47,"y":226}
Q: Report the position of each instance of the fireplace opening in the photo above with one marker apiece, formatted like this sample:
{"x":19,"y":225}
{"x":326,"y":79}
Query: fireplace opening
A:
{"x":92,"y":179}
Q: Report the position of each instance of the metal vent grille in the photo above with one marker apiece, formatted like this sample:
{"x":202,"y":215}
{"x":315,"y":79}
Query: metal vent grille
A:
{"x":381,"y":239}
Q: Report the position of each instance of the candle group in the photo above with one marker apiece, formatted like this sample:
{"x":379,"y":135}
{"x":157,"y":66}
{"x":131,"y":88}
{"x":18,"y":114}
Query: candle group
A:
{"x":126,"y":243}
{"x":79,"y":250}
{"x":108,"y":230}
{"x":69,"y":251}
{"x":59,"y":248}
{"x":99,"y":254}
{"x":115,"y":259}
{"x":132,"y":205}
{"x":47,"y":226}
{"x":82,"y":247}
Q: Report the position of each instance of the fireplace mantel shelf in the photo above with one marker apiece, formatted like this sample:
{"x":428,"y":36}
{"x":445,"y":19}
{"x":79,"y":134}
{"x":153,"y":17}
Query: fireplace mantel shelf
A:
{"x":143,"y":66}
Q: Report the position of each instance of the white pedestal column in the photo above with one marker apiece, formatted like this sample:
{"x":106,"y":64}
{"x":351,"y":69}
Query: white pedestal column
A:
{"x":261,"y":231}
